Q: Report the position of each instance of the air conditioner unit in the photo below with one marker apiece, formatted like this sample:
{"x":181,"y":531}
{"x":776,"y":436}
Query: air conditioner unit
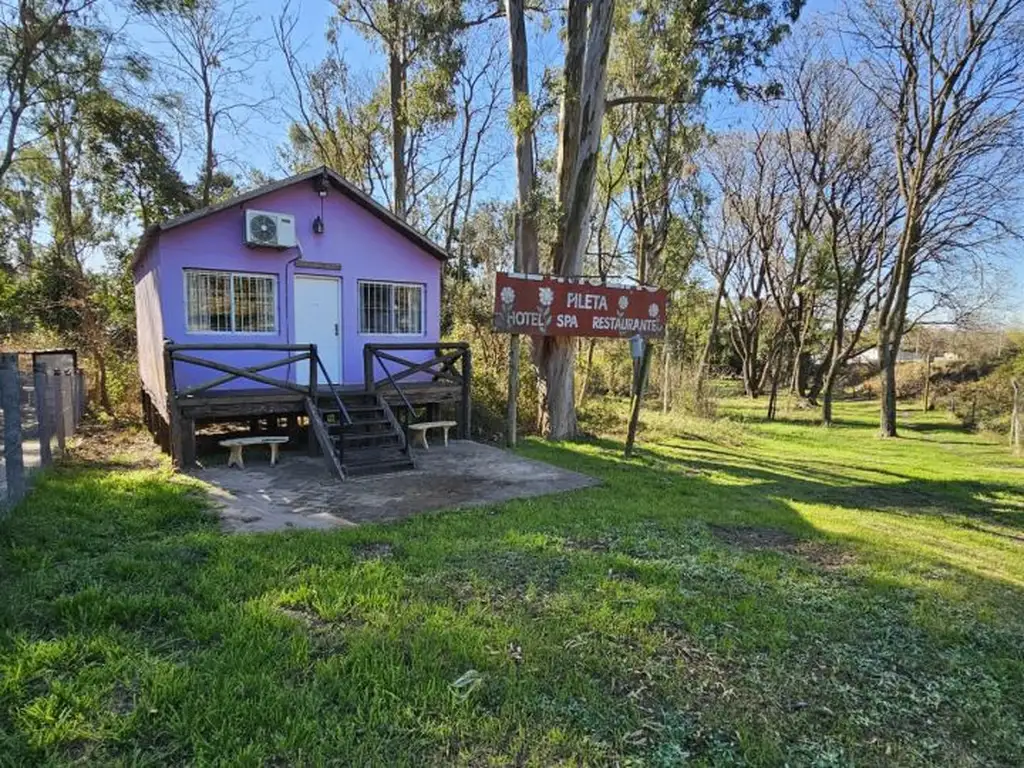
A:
{"x":269,"y":230}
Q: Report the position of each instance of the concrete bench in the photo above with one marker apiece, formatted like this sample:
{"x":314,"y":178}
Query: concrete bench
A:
{"x":421,"y":430}
{"x":236,"y":445}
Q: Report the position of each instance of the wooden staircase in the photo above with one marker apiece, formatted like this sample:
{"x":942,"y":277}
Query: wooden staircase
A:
{"x":359,"y":435}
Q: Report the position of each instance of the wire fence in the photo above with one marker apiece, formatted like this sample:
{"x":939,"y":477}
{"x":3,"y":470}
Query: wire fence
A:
{"x":42,"y":399}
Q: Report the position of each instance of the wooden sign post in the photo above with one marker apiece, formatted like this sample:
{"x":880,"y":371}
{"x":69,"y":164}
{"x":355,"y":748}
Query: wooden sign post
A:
{"x":542,"y":305}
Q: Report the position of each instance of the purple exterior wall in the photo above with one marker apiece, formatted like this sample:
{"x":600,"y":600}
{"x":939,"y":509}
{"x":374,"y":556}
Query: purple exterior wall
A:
{"x":366,"y":248}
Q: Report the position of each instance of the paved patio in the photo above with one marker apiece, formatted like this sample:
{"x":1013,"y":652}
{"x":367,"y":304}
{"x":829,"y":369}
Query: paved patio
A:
{"x":300,"y":492}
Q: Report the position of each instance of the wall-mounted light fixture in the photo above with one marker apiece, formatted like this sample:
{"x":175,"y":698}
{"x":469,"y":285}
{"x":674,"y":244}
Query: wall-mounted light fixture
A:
{"x":322,"y":184}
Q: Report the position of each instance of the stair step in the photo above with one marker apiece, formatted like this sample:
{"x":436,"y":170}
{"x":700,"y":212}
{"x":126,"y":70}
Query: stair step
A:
{"x":360,"y":407}
{"x":371,"y":454}
{"x":369,"y":443}
{"x":379,"y":468}
{"x":360,"y":430}
{"x":359,"y":440}
{"x":355,"y":414}
{"x":382,"y":419}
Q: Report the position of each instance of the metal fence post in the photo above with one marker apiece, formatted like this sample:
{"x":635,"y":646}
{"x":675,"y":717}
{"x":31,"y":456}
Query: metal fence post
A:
{"x":58,"y":409}
{"x":43,"y":412}
{"x":74,"y":401}
{"x":10,"y":401}
{"x":80,"y":400}
{"x":67,"y":402}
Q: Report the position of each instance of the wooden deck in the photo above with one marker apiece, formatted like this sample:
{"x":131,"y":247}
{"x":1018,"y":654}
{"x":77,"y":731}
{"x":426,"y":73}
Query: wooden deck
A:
{"x":402,"y":378}
{"x":256,"y":401}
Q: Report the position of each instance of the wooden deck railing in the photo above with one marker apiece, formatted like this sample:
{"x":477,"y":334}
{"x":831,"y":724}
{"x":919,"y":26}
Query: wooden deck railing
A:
{"x":295,"y":353}
{"x":450,"y":363}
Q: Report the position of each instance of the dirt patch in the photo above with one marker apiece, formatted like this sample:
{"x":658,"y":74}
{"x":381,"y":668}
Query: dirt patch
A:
{"x":122,"y":700}
{"x":755,"y":538}
{"x":826,"y":556}
{"x":829,"y":557}
{"x":116,"y":447}
{"x":588,"y":545}
{"x":373,"y":550}
{"x":77,"y":751}
{"x":304,"y":616}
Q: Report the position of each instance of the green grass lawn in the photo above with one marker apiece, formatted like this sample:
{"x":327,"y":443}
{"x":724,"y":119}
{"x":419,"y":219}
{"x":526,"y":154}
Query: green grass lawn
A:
{"x":739,"y":593}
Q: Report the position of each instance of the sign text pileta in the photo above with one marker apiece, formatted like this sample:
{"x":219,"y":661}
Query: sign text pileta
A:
{"x":542,"y":305}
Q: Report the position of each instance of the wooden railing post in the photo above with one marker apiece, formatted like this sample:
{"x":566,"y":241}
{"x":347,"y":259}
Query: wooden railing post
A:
{"x":313,"y":445}
{"x":368,"y":378}
{"x":174,"y":425}
{"x":312,"y":371}
{"x":467,"y":398}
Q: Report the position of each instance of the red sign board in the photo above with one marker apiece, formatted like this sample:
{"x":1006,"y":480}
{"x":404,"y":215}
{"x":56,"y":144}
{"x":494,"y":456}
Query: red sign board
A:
{"x":541,"y":305}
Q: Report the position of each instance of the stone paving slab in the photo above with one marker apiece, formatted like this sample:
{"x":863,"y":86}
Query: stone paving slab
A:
{"x":301,"y":493}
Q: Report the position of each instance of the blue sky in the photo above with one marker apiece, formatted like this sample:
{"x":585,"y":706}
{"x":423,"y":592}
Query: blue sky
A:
{"x":257,"y":147}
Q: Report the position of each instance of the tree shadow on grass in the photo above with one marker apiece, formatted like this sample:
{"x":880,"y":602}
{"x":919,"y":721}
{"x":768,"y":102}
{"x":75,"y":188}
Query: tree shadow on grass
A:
{"x":622,"y":600}
{"x":974,"y":504}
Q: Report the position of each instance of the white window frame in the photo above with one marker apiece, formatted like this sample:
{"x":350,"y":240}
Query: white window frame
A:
{"x":393,"y":283}
{"x":230,"y":274}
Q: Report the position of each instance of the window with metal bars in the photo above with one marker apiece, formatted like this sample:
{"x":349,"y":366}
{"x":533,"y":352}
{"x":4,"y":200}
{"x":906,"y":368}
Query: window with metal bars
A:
{"x":390,"y":309}
{"x":229,"y":302}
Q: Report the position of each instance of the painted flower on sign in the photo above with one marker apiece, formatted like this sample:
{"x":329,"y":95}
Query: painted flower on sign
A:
{"x":508,"y":294}
{"x":623,"y":302}
{"x":546,"y":296}
{"x":653,"y":310}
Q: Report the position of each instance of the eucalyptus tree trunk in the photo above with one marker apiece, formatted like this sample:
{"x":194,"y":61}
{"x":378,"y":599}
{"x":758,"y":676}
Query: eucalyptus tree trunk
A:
{"x":526,"y":178}
{"x":399,"y":171}
{"x":209,"y":157}
{"x":1015,"y":438}
{"x":705,"y":355}
{"x":887,"y":380}
{"x":583,"y":105}
{"x":526,"y":259}
{"x":587,"y":370}
{"x":927,"y":404}
{"x":828,"y":391}
{"x":892,"y":321}
{"x":638,"y":395}
{"x":666,"y":377}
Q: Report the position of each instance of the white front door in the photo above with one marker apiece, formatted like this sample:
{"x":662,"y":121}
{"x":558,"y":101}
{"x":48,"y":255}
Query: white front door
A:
{"x":318,"y":321}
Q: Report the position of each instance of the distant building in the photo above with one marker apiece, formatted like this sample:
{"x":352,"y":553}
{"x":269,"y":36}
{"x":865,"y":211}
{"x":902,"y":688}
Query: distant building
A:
{"x":870,"y":357}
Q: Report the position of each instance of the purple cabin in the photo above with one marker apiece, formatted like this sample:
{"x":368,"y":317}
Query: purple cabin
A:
{"x":224,"y":293}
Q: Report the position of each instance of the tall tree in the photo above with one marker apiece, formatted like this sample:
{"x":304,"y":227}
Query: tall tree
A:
{"x":523,"y":118}
{"x":210,"y":50}
{"x":588,"y":42}
{"x":336,"y":119}
{"x":64,"y":287}
{"x":422,"y":42}
{"x":129,"y":162}
{"x":700,"y":46}
{"x":946,"y":74}
{"x":40,"y":55}
{"x":837,"y":158}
